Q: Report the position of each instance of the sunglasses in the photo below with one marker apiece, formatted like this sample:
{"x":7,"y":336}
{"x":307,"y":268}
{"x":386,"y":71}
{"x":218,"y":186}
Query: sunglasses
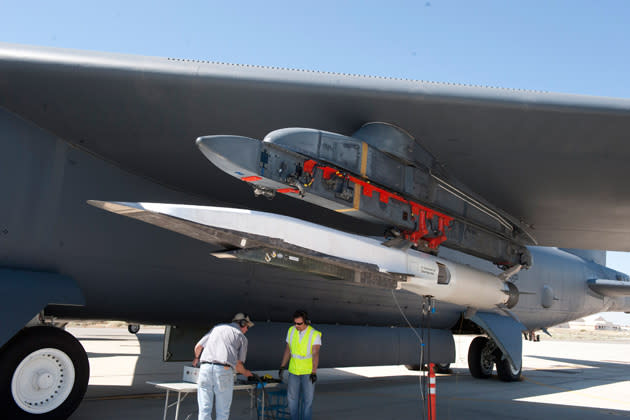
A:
{"x":299,"y":323}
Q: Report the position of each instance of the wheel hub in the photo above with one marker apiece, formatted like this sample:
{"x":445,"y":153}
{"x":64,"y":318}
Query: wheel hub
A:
{"x":487,"y":357}
{"x":43,"y":381}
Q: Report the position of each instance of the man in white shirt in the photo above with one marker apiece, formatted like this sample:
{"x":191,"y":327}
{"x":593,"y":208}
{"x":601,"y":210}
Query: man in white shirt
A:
{"x":219,"y":353}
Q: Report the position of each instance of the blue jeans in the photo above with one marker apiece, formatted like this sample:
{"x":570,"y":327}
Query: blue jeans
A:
{"x":300,"y":392}
{"x":215,"y":382}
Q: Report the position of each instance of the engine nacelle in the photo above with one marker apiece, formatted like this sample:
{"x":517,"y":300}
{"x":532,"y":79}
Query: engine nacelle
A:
{"x":457,"y":283}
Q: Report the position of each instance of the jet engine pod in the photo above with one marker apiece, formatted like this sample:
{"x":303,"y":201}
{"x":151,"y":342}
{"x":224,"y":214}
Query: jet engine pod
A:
{"x":456,"y":283}
{"x":513,"y":294}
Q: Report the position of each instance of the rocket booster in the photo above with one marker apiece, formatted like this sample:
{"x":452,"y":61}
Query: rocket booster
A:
{"x":295,"y":244}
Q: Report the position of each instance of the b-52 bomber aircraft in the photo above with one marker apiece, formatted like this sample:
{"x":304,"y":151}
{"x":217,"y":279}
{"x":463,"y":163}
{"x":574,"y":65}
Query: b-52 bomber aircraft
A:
{"x":366,"y":201}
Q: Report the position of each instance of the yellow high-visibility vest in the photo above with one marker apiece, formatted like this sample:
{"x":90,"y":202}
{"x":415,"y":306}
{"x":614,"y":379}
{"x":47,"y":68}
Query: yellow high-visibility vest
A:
{"x":301,"y":350}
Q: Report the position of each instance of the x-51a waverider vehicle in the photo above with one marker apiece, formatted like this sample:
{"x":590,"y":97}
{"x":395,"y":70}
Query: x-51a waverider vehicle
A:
{"x":362,"y":200}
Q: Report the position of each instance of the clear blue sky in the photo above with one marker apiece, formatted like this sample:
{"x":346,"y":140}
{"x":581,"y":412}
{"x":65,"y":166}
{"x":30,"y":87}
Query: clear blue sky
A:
{"x":573,"y":46}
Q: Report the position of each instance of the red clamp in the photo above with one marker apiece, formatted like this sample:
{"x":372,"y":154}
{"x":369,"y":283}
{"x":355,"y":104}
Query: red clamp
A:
{"x":368,"y":189}
{"x":288,"y":190}
{"x":309,"y":166}
{"x":424,"y":214}
{"x":328,"y":172}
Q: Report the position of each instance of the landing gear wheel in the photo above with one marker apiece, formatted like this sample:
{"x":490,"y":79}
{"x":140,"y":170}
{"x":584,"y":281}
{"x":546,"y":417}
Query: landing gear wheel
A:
{"x":442,"y":368}
{"x":506,"y":372}
{"x":481,"y":357}
{"x":44,"y":372}
{"x":133,"y":328}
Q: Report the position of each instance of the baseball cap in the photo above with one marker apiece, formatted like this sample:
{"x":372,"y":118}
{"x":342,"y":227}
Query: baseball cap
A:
{"x":243,"y":317}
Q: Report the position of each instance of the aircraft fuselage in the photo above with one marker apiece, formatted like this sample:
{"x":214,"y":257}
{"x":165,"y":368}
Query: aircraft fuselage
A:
{"x":131,"y":271}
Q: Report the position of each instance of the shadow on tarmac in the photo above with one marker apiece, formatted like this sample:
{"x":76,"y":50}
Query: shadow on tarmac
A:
{"x":352,"y":396}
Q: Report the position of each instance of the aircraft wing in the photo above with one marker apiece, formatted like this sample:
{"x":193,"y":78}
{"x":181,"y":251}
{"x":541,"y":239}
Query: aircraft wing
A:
{"x":610,"y":288}
{"x":555,"y":161}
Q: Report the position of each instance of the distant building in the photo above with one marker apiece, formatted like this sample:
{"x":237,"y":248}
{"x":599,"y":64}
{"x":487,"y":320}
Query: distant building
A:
{"x":593,"y":322}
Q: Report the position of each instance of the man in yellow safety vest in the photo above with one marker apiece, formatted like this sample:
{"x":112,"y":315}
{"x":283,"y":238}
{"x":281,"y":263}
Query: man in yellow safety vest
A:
{"x":303,"y":343}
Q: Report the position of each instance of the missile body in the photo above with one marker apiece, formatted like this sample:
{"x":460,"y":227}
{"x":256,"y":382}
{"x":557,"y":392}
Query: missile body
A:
{"x":295,"y":244}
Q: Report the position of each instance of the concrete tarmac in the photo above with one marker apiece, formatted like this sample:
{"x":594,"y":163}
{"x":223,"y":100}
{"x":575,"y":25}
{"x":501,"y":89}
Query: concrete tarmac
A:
{"x":561,"y":380}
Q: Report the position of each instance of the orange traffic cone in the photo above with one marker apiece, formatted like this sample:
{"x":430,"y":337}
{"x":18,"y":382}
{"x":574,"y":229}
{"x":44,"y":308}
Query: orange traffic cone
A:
{"x":432,"y":388}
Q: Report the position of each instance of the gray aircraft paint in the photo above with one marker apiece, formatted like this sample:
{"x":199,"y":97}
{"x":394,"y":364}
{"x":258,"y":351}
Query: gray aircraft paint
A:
{"x":132,"y":271}
{"x":78,"y":126}
{"x":25,"y":293}
{"x":560,"y":273}
{"x":59,"y":151}
{"x":344,"y":345}
{"x":128,"y":270}
{"x":531,"y":154}
{"x":66,"y":235}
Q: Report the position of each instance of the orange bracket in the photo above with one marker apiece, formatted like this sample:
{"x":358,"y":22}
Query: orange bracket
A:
{"x":368,"y":189}
{"x":288,"y":190}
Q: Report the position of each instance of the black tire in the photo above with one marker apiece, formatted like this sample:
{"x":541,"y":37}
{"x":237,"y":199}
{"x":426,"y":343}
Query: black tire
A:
{"x":505,"y":371}
{"x":475,"y":354}
{"x":442,"y":368}
{"x":133,"y":328}
{"x":413,"y":367}
{"x":31,"y":340}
